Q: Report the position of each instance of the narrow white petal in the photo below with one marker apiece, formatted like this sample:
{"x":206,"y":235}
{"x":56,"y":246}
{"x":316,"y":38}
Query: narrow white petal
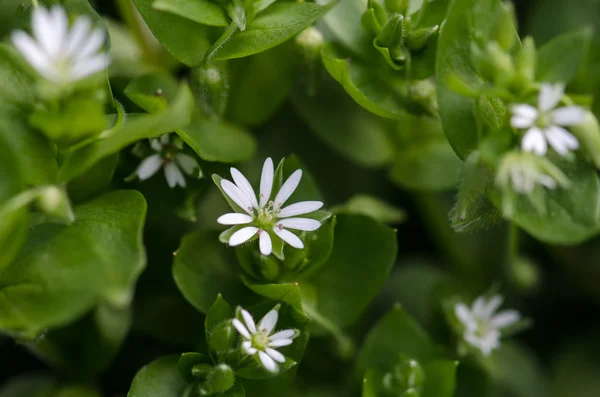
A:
{"x":46,"y":32}
{"x":252,"y":351}
{"x":247,"y":346}
{"x":234,"y":219}
{"x":280,"y":343}
{"x":525,"y":111}
{"x":285,"y":334}
{"x":303,"y":207}
{"x":478,"y":308}
{"x":239,"y":197}
{"x":174,"y":175}
{"x":187,"y":163}
{"x":34,"y":55}
{"x":288,"y":188}
{"x":249,"y":321}
{"x":561,"y":140}
{"x":549,"y":96}
{"x":264,"y":243}
{"x":269,"y":321}
{"x":492,"y":305}
{"x":275,"y":355}
{"x":77,"y":35}
{"x":521,"y":122}
{"x":242,"y":235}
{"x":534,"y":141}
{"x":289,"y":237}
{"x":245,"y":186}
{"x":547,"y":181}
{"x":164,"y":139}
{"x":506,"y":318}
{"x":266,"y":182}
{"x":241,"y":328}
{"x":92,"y":45}
{"x":156,"y":145}
{"x":149,"y":166}
{"x":463,"y":313}
{"x":89,"y":66}
{"x":267,"y":361}
{"x":568,"y":115}
{"x":304,"y":224}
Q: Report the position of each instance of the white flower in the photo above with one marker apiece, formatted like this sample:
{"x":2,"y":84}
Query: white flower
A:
{"x":60,"y":54}
{"x":170,"y":156}
{"x":523,"y":171}
{"x":482,"y":325}
{"x":263,"y":215}
{"x":545,"y":123}
{"x":260,"y":341}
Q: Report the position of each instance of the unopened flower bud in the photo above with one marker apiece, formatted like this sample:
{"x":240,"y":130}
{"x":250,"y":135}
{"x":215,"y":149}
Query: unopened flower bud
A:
{"x":375,"y":18}
{"x":525,"y":274}
{"x":221,"y":337}
{"x":310,"y":40}
{"x":237,"y":14}
{"x":269,"y":267}
{"x":390,"y":41}
{"x":221,"y":379}
{"x":405,"y":379}
{"x":54,"y":202}
{"x":417,"y":39}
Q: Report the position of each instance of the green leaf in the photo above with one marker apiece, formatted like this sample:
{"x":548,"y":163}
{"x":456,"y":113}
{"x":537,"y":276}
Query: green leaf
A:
{"x":218,"y":140}
{"x":160,"y":378}
{"x":203,"y":267}
{"x":188,"y":361}
{"x":440,"y":378}
{"x":341,"y":124}
{"x":276,"y":24}
{"x":344,"y":21}
{"x":286,"y":292}
{"x":152,"y":92}
{"x":465,"y":22}
{"x":371,"y":384}
{"x":18,"y":90}
{"x":134,"y":129}
{"x":364,"y":252}
{"x":575,"y":367}
{"x":396,"y":333}
{"x":372,"y":206}
{"x":186,"y":40}
{"x":573,"y":48}
{"x":94,"y":181}
{"x":374,"y":90}
{"x":572,"y":214}
{"x":200,"y":11}
{"x":27,"y":386}
{"x":63,"y":271}
{"x":219,"y":312}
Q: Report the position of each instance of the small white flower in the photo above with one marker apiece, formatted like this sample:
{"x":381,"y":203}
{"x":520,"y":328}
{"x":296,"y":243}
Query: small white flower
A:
{"x":545,"y":123}
{"x":260,"y":341}
{"x":482,"y":325}
{"x":169,"y":155}
{"x":523,"y":172}
{"x":60,"y":54}
{"x":264,"y":216}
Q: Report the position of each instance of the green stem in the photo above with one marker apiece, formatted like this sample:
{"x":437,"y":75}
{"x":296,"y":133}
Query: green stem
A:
{"x":231,"y":29}
{"x":345,"y":344}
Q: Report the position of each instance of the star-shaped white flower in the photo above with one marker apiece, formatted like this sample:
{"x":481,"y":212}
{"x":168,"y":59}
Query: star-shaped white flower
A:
{"x":170,"y":156}
{"x":545,"y":123}
{"x":260,"y":341}
{"x":522,"y":172}
{"x":482,"y":325}
{"x":60,"y":54}
{"x":263,"y":216}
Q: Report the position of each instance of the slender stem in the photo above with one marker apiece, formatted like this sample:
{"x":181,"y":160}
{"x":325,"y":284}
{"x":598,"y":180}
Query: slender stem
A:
{"x":345,"y":344}
{"x":231,"y":29}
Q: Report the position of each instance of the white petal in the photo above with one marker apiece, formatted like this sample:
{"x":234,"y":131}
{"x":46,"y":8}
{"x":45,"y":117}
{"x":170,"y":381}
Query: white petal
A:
{"x":164,"y":139}
{"x":288,"y":188}
{"x":234,"y":219}
{"x":289,"y":237}
{"x":285,"y":334}
{"x":269,"y":321}
{"x":506,"y":318}
{"x":492,"y":305}
{"x":266,"y":182}
{"x":549,"y":96}
{"x":239,"y":197}
{"x":521,"y":122}
{"x":280,"y":343}
{"x":303,"y":207}
{"x":463,"y":313}
{"x":34,"y":55}
{"x":249,"y":321}
{"x":242,"y":235}
{"x":561,"y":140}
{"x":247,"y":346}
{"x":149,"y":166}
{"x":478,"y":308}
{"x":241,"y":182}
{"x":78,"y":34}
{"x":241,"y":328}
{"x":89,"y":66}
{"x":264,"y":243}
{"x":92,"y":45}
{"x":525,"y":111}
{"x":547,"y":181}
{"x":48,"y":31}
{"x":174,"y":175}
{"x":267,"y":361}
{"x":568,"y":115}
{"x":275,"y":355}
{"x":187,"y":163}
{"x":305,"y":224}
{"x":534,"y":141}
{"x":156,"y":145}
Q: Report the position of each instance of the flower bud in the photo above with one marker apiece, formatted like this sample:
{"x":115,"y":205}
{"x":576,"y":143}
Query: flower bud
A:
{"x":405,"y":379}
{"x":525,"y":274}
{"x":504,"y":27}
{"x":221,"y":337}
{"x":210,"y":83}
{"x":269,"y":267}
{"x":374,"y":18}
{"x":525,"y":61}
{"x":237,"y":13}
{"x":54,"y":202}
{"x":419,"y":38}
{"x":390,"y":41}
{"x":221,"y":379}
{"x":588,"y":134}
{"x":310,"y":40}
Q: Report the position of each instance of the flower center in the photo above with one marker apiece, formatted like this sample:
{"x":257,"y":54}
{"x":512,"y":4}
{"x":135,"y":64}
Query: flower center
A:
{"x":266,"y":216}
{"x":260,"y":340}
{"x":544,"y":120}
